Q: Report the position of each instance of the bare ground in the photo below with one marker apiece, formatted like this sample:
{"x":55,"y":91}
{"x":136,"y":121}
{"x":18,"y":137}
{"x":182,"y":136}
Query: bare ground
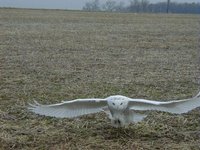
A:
{"x":52,"y":55}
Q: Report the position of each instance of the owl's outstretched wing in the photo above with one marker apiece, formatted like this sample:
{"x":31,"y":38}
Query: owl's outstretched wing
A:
{"x":69,"y":109}
{"x":177,"y":106}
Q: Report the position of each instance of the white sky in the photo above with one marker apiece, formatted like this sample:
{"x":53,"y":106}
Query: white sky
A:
{"x":63,"y":4}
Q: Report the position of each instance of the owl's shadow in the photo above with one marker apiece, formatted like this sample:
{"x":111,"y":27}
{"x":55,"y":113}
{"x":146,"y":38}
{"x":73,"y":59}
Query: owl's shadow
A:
{"x":133,"y":131}
{"x":109,"y":132}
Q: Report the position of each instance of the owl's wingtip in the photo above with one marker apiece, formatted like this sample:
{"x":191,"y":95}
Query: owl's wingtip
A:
{"x":198,"y":95}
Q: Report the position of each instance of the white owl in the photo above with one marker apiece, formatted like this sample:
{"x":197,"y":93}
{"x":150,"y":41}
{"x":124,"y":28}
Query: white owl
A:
{"x":120,"y":109}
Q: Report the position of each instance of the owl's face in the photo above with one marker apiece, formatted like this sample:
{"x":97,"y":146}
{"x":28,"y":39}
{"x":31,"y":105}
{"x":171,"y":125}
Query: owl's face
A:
{"x":117,"y":102}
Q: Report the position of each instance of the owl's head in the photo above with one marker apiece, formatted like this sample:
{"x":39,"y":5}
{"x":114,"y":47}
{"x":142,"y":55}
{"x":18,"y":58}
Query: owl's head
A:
{"x":117,"y":102}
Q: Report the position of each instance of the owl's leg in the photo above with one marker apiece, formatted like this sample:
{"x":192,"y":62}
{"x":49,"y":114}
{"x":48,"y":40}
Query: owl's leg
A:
{"x":119,"y":121}
{"x":115,"y":122}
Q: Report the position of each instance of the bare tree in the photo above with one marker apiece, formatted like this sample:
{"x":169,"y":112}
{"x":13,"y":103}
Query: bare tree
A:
{"x":94,"y":5}
{"x":134,"y":6}
{"x":110,"y":5}
{"x":168,"y":3}
{"x":120,"y":7}
{"x":144,"y":5}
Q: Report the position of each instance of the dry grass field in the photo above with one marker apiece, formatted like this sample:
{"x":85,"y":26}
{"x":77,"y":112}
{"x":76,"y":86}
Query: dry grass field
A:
{"x":53,"y":55}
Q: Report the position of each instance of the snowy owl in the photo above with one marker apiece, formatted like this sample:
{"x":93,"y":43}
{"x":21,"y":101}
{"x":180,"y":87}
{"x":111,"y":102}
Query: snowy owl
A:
{"x":120,"y":109}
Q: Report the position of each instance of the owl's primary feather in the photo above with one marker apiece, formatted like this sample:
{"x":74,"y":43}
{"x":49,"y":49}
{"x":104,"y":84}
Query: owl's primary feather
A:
{"x":69,"y":109}
{"x":176,"y":106}
{"x":121,"y":109}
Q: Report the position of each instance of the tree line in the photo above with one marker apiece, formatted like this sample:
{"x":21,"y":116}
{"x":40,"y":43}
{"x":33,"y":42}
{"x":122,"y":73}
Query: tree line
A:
{"x":143,"y":6}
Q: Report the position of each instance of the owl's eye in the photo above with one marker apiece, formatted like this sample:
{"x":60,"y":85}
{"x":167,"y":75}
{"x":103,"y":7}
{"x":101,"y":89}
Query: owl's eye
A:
{"x":113,"y":103}
{"x":121,"y":103}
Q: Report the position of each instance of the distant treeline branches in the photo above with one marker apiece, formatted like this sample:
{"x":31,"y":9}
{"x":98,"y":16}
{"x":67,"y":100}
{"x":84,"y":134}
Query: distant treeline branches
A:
{"x":142,"y":6}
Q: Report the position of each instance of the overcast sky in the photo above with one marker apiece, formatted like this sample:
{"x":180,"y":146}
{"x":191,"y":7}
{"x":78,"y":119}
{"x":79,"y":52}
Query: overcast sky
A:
{"x":63,"y":4}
